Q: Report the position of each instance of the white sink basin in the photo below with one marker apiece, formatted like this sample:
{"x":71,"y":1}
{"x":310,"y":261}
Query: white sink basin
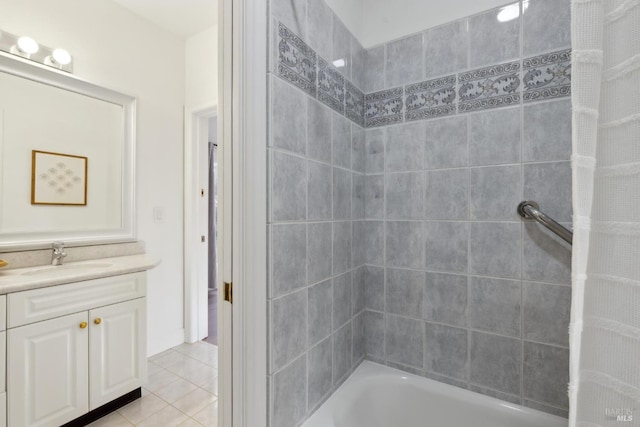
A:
{"x":60,"y":269}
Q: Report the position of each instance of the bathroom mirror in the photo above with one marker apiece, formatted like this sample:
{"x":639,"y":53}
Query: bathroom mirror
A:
{"x":67,"y":150}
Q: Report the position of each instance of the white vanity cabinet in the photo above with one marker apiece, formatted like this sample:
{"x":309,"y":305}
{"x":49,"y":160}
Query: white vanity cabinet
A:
{"x":73,"y":348}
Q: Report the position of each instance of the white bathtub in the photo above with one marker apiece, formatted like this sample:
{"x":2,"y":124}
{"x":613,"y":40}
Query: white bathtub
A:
{"x":378,"y":396}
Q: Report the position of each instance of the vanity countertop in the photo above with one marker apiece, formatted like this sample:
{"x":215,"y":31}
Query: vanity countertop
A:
{"x":22,"y":279}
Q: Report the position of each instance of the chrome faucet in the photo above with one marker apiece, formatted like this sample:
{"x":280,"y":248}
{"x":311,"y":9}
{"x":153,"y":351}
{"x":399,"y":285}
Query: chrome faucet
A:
{"x":58,"y":254}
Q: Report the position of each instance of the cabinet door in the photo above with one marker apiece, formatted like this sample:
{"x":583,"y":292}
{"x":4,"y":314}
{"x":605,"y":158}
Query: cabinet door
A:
{"x":117,"y":350}
{"x":48,"y":379}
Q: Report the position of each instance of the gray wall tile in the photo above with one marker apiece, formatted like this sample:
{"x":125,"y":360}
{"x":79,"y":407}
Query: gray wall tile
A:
{"x":358,"y":338}
{"x":494,"y":137}
{"x":342,"y":342}
{"x":564,"y":413}
{"x":494,"y":305}
{"x":374,"y":288}
{"x":495,"y":249}
{"x":546,"y":374}
{"x":446,"y":351}
{"x":496,"y":394}
{"x":320,"y":22}
{"x":288,"y":328}
{"x":358,"y":62}
{"x":357,"y":196}
{"x":319,"y":251}
{"x":404,"y":61}
{"x":289,"y":398}
{"x":546,"y":314}
{"x":445,"y":380}
{"x":405,"y":146}
{"x":288,"y":187}
{"x":341,"y":194}
{"x":547,"y":131}
{"x":341,"y":247}
{"x":496,"y":362}
{"x":374,"y":333}
{"x":546,"y":258}
{"x":374,"y":69}
{"x":341,"y":46}
{"x":404,"y":193}
{"x":358,"y":149}
{"x":549,"y":184}
{"x":404,"y":244}
{"x":374,"y":159}
{"x":341,"y":300}
{"x":445,"y":49}
{"x":319,"y":130}
{"x":446,"y":143}
{"x":546,"y":26}
{"x":496,"y":192}
{"x":447,"y":194}
{"x":445,"y":298}
{"x":374,"y":242}
{"x":404,"y":341}
{"x":492,"y":41}
{"x":358,"y":248}
{"x":404,"y":291}
{"x":320,"y":311}
{"x":319,"y":195}
{"x":287,"y":104}
{"x":291,"y":13}
{"x":288,"y":257}
{"x":374,"y":196}
{"x":446,"y":246}
{"x":357,"y":290}
{"x":320,"y":362}
{"x":341,"y":141}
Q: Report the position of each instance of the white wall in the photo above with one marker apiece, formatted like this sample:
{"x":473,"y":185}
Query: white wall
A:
{"x":374,"y":22}
{"x":201,"y":69}
{"x":115,"y":48}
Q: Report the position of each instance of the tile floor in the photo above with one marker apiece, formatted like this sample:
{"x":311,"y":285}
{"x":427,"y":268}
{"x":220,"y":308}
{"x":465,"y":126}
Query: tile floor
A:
{"x":182,"y":390}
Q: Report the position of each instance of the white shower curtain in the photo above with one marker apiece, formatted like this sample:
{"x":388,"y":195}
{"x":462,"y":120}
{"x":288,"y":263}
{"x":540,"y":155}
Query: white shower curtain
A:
{"x":605,"y":313}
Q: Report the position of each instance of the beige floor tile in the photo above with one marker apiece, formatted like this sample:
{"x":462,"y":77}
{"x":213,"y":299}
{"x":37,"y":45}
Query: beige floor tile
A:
{"x":172,"y":357}
{"x":142,"y":408}
{"x":201,"y":351}
{"x":168,"y":417}
{"x":112,"y":420}
{"x":159,"y":379}
{"x":190,"y":423}
{"x":175,"y":390}
{"x":208,"y":416}
{"x":186,"y":365}
{"x":205,"y":377}
{"x":195,"y":401}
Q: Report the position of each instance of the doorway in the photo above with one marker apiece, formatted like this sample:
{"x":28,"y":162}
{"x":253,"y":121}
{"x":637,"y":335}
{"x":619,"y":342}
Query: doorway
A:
{"x":212,"y":228}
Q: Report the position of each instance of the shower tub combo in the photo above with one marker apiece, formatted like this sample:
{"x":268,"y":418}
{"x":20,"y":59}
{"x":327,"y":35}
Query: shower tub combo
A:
{"x":378,"y":396}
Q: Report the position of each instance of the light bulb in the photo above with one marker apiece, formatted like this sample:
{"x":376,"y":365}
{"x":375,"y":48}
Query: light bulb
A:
{"x":27,"y":45}
{"x":61,"y":56}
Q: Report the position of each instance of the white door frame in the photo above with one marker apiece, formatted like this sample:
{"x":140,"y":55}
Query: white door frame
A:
{"x":196,"y":290}
{"x":243,"y":126}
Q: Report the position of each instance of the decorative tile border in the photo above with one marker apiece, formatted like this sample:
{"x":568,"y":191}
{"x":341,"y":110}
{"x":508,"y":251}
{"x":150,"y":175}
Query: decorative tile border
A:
{"x":432,"y":98}
{"x":384,"y":108}
{"x":330,"y":86}
{"x":354,"y":103}
{"x":296,"y":61}
{"x":547,"y":76}
{"x":490,"y":87}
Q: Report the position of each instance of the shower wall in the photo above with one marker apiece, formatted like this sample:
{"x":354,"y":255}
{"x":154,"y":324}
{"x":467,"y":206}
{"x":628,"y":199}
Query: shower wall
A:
{"x":394,"y":174}
{"x":463,"y":122}
{"x":316,"y":207}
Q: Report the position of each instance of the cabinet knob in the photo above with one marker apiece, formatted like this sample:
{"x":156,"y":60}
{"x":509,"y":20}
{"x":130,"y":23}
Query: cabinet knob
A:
{"x":83,"y":325}
{"x":97,"y":321}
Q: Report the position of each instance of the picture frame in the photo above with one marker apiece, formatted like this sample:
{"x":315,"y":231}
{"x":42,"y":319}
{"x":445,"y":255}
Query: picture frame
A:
{"x":58,"y":179}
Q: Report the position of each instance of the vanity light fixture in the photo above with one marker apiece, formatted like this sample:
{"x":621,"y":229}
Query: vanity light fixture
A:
{"x":27,"y":48}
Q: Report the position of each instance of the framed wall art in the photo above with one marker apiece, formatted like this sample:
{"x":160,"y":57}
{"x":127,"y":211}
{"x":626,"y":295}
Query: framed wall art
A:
{"x":58,"y":179}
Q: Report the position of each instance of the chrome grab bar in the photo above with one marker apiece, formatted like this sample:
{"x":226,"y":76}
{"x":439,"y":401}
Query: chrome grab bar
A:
{"x":531,"y":210}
